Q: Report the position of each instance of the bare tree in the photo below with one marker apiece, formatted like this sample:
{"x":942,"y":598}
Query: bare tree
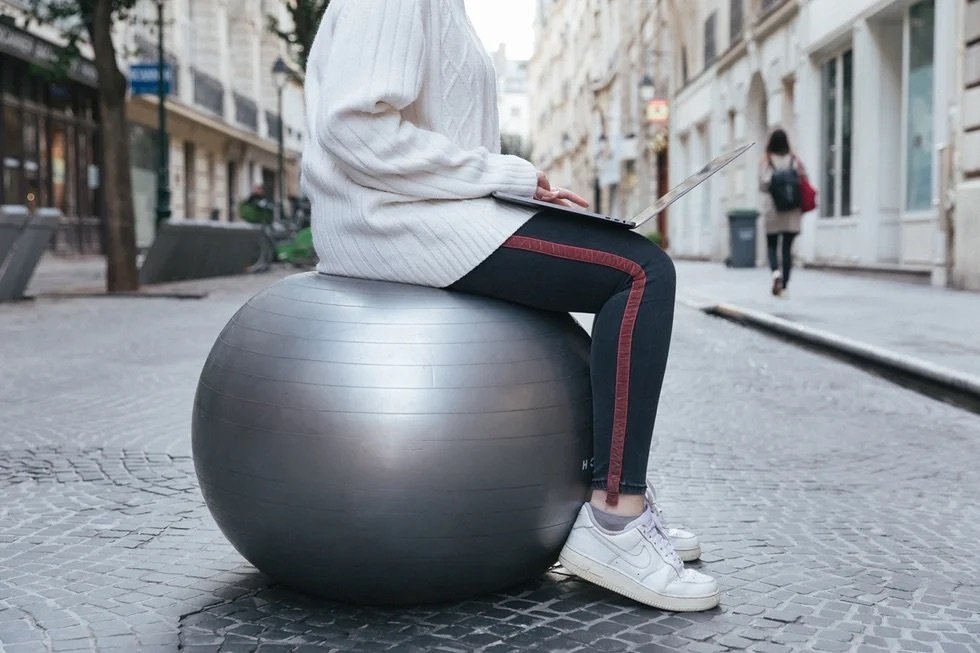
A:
{"x":91,"y":21}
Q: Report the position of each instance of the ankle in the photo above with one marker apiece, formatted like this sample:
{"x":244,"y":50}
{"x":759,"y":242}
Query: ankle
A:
{"x":629,"y":505}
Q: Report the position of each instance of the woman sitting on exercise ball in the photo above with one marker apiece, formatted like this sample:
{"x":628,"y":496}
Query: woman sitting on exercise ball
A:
{"x":401,"y":157}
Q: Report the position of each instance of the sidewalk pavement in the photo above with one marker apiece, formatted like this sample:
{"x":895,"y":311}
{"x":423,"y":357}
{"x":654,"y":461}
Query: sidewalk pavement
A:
{"x":67,"y":274}
{"x":922,"y":331}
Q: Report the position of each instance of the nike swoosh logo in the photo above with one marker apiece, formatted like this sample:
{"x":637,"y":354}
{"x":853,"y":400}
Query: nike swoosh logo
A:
{"x":638,"y":556}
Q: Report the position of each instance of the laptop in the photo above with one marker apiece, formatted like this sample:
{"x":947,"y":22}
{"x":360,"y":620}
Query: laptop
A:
{"x":666,"y":200}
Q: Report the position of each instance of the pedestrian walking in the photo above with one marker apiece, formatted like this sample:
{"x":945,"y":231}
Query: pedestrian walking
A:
{"x":781,"y":179}
{"x":403,"y":154}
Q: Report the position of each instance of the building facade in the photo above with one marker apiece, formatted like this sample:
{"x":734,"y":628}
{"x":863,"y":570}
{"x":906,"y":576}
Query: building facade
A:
{"x":513,"y":103}
{"x":591,"y":125}
{"x":962,"y":195}
{"x":869,"y":92}
{"x":223,"y":112}
{"x":223,"y":117}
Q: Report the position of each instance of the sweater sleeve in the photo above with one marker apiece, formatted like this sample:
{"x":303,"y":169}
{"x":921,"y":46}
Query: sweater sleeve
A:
{"x":374,"y":69}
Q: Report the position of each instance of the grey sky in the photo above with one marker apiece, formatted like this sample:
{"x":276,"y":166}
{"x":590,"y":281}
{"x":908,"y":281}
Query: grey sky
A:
{"x":507,"y":21}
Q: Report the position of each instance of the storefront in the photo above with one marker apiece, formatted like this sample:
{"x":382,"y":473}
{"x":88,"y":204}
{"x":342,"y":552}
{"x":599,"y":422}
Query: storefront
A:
{"x":49,"y":147}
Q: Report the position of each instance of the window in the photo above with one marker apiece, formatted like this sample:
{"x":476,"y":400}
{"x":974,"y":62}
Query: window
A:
{"x":709,"y":39}
{"x":735,"y":20}
{"x":920,"y":45}
{"x":836,"y":129}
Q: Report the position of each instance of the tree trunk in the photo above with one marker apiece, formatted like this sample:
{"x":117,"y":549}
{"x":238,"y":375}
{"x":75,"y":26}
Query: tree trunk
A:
{"x":117,"y":185}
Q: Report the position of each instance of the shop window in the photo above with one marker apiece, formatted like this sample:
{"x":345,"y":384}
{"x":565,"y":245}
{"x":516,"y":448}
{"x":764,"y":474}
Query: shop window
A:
{"x":31,"y":163}
{"x":12,"y":148}
{"x":63,"y":168}
{"x":920,"y":46}
{"x":836,"y":134}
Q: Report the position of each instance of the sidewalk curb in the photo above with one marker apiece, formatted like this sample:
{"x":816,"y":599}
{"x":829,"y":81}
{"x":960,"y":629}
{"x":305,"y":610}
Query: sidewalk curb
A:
{"x":959,"y":384}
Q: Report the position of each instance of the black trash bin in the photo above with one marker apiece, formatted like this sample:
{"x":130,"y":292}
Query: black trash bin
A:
{"x":742,"y":230}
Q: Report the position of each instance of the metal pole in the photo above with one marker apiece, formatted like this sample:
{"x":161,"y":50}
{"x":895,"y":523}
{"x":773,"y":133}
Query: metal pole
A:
{"x":282,"y":166}
{"x":163,"y":163}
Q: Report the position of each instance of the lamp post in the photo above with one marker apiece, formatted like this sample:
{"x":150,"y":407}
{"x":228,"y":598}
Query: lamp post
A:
{"x":648,"y":90}
{"x":163,"y":139}
{"x":280,"y":73}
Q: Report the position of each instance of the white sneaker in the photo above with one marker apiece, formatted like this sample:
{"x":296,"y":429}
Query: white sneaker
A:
{"x":685,"y":542}
{"x":637,"y":562}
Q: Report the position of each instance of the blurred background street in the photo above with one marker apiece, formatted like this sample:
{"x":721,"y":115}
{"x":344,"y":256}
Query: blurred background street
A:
{"x":822,"y":441}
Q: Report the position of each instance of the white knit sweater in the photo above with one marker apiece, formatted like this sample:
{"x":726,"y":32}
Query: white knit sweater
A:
{"x":403,"y":144}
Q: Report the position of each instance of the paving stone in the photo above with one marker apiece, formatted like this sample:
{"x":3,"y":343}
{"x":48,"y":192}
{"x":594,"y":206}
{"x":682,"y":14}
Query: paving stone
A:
{"x":828,"y":524}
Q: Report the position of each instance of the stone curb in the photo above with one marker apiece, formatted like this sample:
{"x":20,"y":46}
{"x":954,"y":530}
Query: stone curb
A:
{"x":960,"y":383}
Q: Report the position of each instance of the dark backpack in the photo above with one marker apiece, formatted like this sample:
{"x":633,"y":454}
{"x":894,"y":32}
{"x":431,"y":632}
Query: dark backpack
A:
{"x":786,"y":188}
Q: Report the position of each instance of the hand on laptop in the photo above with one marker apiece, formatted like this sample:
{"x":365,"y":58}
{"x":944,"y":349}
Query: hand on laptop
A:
{"x":557,"y":195}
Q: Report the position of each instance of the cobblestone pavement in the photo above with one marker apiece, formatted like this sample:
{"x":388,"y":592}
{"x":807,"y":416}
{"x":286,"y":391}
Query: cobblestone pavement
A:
{"x":838,"y":511}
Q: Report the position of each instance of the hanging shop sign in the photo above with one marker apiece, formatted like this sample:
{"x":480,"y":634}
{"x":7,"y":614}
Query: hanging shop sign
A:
{"x":658,"y":112}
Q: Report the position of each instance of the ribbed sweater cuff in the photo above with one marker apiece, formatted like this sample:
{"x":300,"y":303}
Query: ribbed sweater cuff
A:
{"x":518,"y":177}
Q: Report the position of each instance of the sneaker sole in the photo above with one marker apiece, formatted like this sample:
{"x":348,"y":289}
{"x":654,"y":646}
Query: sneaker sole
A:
{"x":584,"y":568}
{"x":689,"y":555}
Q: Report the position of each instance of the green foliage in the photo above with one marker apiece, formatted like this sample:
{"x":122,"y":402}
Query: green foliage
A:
{"x":514,"y":144}
{"x":299,"y":251}
{"x":76,"y":20}
{"x":656,"y":238}
{"x":256,"y":212}
{"x":305,"y":16}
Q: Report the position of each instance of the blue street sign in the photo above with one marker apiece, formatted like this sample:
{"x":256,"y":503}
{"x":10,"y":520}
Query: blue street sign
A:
{"x":144,"y":78}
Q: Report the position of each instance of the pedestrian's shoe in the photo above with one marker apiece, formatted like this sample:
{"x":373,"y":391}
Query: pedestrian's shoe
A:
{"x":637,"y":562}
{"x":777,"y":283}
{"x":685,"y":542}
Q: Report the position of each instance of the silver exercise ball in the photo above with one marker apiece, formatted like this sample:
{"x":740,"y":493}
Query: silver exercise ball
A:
{"x":382,"y":443}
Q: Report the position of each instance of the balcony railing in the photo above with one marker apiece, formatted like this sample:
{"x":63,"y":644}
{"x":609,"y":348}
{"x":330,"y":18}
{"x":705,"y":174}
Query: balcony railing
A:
{"x":274,"y":125}
{"x":769,"y":5}
{"x":208,"y":93}
{"x":246,"y":112}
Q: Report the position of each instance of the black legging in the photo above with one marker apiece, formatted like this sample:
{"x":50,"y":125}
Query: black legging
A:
{"x":562,"y":263}
{"x":772,"y":244}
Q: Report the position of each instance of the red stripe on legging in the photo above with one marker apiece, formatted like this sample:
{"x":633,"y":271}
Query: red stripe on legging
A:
{"x":621,"y":403}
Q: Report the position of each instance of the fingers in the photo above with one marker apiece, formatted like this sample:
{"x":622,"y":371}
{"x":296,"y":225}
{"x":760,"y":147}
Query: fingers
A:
{"x":572,"y":197}
{"x":561,"y":197}
{"x":545,"y":194}
{"x":543,"y":181}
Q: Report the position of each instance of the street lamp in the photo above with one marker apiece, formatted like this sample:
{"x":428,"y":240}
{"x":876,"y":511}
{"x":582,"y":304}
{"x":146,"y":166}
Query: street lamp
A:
{"x":648,"y":89}
{"x":163,"y":139}
{"x":280,"y":74}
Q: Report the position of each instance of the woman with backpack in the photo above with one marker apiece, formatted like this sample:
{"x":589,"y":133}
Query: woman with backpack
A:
{"x":781,"y":178}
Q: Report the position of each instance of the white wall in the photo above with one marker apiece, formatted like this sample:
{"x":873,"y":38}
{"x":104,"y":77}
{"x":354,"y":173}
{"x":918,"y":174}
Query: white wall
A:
{"x":787,"y":61}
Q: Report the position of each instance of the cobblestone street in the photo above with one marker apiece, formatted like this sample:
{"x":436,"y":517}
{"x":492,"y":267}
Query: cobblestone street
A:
{"x":838,"y":511}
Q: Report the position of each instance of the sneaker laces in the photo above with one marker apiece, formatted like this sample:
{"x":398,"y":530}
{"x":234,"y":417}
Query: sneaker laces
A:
{"x":651,"y":497}
{"x":655,"y":530}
